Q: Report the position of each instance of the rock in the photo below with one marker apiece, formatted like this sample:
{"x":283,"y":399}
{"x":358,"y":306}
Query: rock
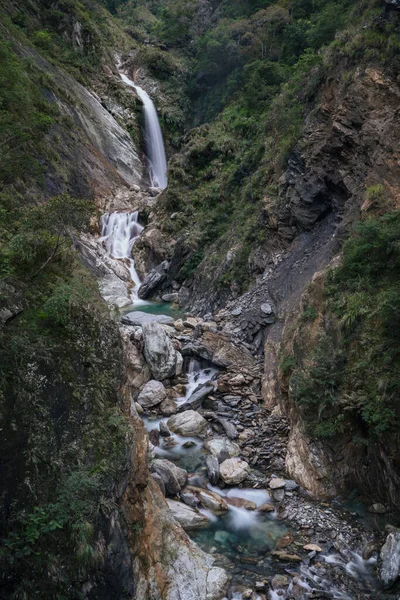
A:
{"x":389,"y":571}
{"x":153,"y":280}
{"x":228,"y":427}
{"x":179,"y":363}
{"x":174,"y":477}
{"x":221,"y":536}
{"x":196,"y":399}
{"x":159,"y":351}
{"x":242,"y":503}
{"x":164,"y":431}
{"x":154,"y":437}
{"x":247,"y":594}
{"x":211,"y":500}
{"x":178,"y":324}
{"x":219,"y":445}
{"x":278,"y":495}
{"x":189,"y":444}
{"x":168,"y":407}
{"x":114,"y":291}
{"x":191,"y":322}
{"x":378,"y":508}
{"x":212,"y":466}
{"x":236,"y":311}
{"x":216,"y":583}
{"x":267,"y":507}
{"x":312,"y":548}
{"x":280,"y":581}
{"x":187,"y":516}
{"x":139,"y":318}
{"x":234,"y":470}
{"x":174,"y":297}
{"x":188,"y":423}
{"x":290,"y":485}
{"x":189,"y":498}
{"x":139,"y":408}
{"x":276,"y":483}
{"x":152,"y":393}
{"x":238,"y":379}
{"x":280,"y":555}
{"x":159,"y":482}
{"x":266,"y":308}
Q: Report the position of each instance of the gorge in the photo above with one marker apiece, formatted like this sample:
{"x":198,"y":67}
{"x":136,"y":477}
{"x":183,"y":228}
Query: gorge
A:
{"x":199,"y":391}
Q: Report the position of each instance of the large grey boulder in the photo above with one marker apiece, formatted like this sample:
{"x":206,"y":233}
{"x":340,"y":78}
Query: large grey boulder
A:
{"x":159,"y":351}
{"x":390,"y":560}
{"x":234,"y":471}
{"x":222,"y":447}
{"x":216,"y":583}
{"x":153,"y":393}
{"x":153,"y":280}
{"x":173,"y":477}
{"x":188,"y":423}
{"x":139,"y":318}
{"x":188,"y":517}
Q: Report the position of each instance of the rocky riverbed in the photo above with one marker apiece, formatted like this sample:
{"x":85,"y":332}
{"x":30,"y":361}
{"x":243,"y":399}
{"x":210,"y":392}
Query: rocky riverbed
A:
{"x":218,"y":454}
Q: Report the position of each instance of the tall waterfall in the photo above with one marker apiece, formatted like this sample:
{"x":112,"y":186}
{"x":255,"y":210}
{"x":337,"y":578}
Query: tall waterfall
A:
{"x":119,"y":232}
{"x":153,"y":138}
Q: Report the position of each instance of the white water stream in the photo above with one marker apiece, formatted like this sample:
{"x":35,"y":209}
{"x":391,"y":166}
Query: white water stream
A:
{"x":153,"y":137}
{"x":119,"y":231}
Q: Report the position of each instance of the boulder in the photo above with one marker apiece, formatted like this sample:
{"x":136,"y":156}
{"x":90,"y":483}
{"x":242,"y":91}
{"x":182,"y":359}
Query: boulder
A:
{"x":242,"y":503}
{"x":276,"y":483}
{"x":216,"y":583}
{"x":378,"y":509}
{"x":267,"y":507}
{"x":286,"y":556}
{"x":179,"y":364}
{"x":159,"y":482}
{"x":189,"y":498}
{"x":168,"y":407}
{"x":189,"y":423}
{"x":212,"y":465}
{"x":164,"y":431}
{"x":187,"y":516}
{"x":196,"y":399}
{"x":139,"y":318}
{"x":390,"y":560}
{"x":173,"y":477}
{"x":210,"y":500}
{"x":174,"y":297}
{"x":278,"y":495}
{"x":159,"y":351}
{"x":221,"y":446}
{"x":152,"y":393}
{"x":153,"y":280}
{"x":234,"y":471}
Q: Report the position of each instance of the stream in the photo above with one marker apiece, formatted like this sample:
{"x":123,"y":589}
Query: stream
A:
{"x":242,"y":536}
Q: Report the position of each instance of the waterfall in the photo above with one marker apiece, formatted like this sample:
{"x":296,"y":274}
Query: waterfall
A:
{"x":119,"y":232}
{"x":153,"y":137}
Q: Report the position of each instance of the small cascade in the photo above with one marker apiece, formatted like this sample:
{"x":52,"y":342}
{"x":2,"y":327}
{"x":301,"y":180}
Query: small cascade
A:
{"x":197,"y":376}
{"x":119,"y":231}
{"x":153,"y":137}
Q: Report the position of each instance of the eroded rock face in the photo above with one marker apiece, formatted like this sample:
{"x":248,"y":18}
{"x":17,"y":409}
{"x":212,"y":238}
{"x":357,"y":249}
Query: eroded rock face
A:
{"x":188,"y":423}
{"x":159,"y":351}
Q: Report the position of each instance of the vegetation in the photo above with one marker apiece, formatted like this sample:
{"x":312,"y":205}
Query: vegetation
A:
{"x":357,"y":373}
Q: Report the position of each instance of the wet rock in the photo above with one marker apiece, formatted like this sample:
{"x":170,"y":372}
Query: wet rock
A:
{"x":228,"y":427}
{"x":242,"y":503}
{"x":212,"y":466}
{"x":266,"y":308}
{"x":154,"y":437}
{"x":378,"y":509}
{"x":159,"y":351}
{"x":174,"y":477}
{"x":188,"y":423}
{"x":280,"y":581}
{"x":153,"y":280}
{"x":139,"y":318}
{"x":290,"y":485}
{"x":164,"y":431}
{"x":178,"y":364}
{"x":189,"y":444}
{"x":139,"y":408}
{"x":312,"y":548}
{"x":267,"y":507}
{"x":390,"y":560}
{"x":191,"y":322}
{"x":276,"y":483}
{"x":216,"y":583}
{"x":170,"y":297}
{"x":189,"y":498}
{"x":212,"y":500}
{"x":152,"y":393}
{"x":236,"y":311}
{"x":219,"y":445}
{"x":196,"y":399}
{"x":168,"y":407}
{"x":187,"y":516}
{"x":234,"y":471}
{"x":285,"y":556}
{"x":278,"y":495}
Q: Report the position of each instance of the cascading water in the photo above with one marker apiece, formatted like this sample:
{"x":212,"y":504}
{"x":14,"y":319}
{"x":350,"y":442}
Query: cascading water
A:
{"x":153,"y":137}
{"x":119,"y":231}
